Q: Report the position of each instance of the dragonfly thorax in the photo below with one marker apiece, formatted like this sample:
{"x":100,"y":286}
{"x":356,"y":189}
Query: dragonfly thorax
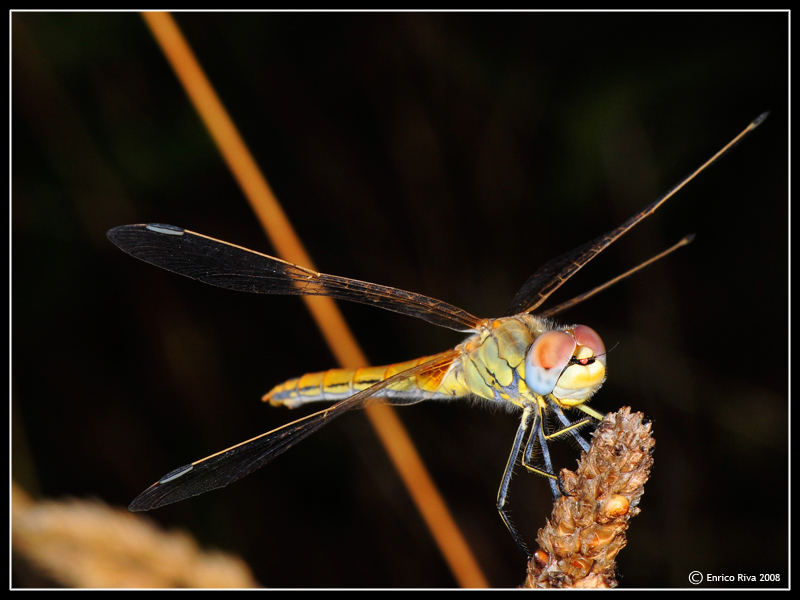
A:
{"x":523,"y":359}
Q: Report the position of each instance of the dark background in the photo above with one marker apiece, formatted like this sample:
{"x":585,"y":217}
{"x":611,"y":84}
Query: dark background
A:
{"x":449,"y":154}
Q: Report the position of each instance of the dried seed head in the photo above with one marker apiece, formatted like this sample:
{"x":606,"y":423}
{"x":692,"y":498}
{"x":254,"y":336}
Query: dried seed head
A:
{"x":586,"y":530}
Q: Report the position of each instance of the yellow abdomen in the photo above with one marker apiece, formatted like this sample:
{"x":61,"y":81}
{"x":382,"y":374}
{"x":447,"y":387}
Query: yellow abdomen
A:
{"x":338,"y":384}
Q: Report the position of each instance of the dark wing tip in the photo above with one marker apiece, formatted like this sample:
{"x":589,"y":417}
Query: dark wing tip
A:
{"x":157,"y":495}
{"x":760,"y":119}
{"x":136,"y":506}
{"x":141,"y":503}
{"x":115,"y":232}
{"x":165,"y":229}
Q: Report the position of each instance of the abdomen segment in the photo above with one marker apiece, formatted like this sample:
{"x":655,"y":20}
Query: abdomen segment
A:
{"x":338,"y":384}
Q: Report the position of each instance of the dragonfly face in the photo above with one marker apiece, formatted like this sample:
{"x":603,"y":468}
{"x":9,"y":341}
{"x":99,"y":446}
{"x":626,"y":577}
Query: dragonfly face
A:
{"x":519,"y":359}
{"x":569,"y":364}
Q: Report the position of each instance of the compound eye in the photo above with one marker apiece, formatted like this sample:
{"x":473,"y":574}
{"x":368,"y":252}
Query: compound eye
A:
{"x":588,"y":337}
{"x":546,"y":360}
{"x":586,"y":370}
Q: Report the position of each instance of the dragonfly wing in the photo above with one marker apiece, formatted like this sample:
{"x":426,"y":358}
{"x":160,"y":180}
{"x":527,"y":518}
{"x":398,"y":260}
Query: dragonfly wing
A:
{"x":554,"y":274}
{"x":232,"y":267}
{"x":223,"y":468}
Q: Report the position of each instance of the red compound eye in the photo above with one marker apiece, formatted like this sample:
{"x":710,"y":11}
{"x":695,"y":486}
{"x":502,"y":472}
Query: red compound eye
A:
{"x":547,"y":358}
{"x":586,"y":336}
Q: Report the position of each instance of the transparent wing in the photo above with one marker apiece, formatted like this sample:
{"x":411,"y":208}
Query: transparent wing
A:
{"x":223,"y":468}
{"x":555,"y":273}
{"x":232,"y":267}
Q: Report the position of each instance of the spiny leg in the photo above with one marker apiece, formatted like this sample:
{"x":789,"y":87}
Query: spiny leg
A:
{"x":553,"y":479}
{"x":533,"y":422}
{"x":525,"y":423}
{"x":571,"y":427}
{"x":556,"y":485}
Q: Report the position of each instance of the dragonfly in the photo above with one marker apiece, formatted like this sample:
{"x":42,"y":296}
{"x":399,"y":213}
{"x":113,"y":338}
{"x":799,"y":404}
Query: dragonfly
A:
{"x":521,"y":361}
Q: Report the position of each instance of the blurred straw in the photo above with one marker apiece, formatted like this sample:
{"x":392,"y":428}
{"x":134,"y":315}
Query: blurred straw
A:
{"x":87,"y":544}
{"x":390,"y":430}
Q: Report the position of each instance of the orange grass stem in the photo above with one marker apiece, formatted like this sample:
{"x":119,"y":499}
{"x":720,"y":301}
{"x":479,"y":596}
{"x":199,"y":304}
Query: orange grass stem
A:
{"x":390,"y":430}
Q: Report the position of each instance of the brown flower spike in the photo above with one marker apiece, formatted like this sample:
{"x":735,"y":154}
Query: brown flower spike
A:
{"x":579,"y":544}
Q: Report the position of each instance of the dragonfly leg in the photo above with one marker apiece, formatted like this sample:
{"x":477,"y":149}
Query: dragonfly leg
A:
{"x":570,"y":427}
{"x":534,"y":425}
{"x":502,"y":494}
{"x":539,"y":434}
{"x":543,"y":437}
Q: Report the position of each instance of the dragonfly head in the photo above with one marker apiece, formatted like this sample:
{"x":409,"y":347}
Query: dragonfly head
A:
{"x":570,"y":364}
